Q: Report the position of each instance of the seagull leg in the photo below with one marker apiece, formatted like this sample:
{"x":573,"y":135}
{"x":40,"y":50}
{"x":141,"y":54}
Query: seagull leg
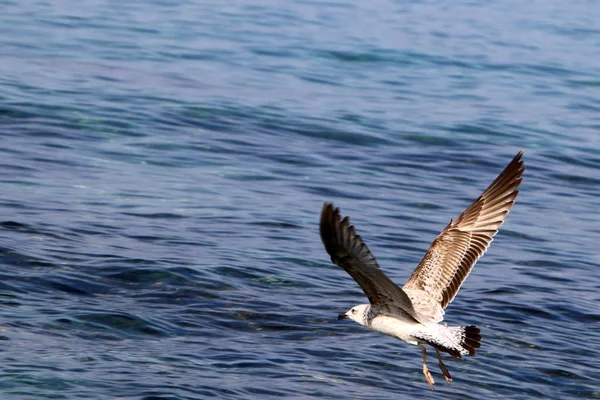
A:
{"x":443,"y":367}
{"x":426,"y":372}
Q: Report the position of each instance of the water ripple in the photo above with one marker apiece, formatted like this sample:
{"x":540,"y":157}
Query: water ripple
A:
{"x":163,"y":175}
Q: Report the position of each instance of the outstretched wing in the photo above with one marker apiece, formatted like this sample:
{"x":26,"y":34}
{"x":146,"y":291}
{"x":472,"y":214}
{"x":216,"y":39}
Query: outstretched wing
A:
{"x":347,"y":250}
{"x":455,"y":251}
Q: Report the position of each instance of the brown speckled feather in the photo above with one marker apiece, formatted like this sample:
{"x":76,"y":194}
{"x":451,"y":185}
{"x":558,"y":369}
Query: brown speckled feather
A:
{"x":455,"y":251}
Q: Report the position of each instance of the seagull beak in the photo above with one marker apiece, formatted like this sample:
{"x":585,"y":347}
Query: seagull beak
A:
{"x":342,"y":316}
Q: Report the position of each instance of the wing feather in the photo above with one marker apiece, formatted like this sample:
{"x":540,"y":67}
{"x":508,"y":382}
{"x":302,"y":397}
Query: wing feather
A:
{"x":348,"y":251}
{"x":455,"y":251}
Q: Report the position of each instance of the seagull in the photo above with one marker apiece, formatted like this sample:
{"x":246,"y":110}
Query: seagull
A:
{"x":413,"y":313}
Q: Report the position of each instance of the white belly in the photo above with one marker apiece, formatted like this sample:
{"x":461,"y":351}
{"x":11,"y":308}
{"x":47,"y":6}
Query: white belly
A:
{"x":396,"y":327}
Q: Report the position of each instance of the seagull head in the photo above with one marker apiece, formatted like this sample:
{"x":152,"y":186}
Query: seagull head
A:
{"x":357,"y":313}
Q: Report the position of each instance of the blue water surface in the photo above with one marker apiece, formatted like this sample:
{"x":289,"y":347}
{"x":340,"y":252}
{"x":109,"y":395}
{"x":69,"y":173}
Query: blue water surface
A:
{"x":163,"y":164}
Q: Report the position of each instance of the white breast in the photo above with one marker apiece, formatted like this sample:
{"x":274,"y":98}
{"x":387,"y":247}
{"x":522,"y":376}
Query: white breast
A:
{"x":396,"y":327}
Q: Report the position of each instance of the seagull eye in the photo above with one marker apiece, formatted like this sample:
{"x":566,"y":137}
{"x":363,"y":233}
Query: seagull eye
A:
{"x":353,"y":311}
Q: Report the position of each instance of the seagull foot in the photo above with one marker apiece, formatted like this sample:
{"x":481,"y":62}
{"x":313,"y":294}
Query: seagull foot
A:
{"x":443,"y":367}
{"x":428,"y":377}
{"x":445,"y":372}
{"x":448,"y":379}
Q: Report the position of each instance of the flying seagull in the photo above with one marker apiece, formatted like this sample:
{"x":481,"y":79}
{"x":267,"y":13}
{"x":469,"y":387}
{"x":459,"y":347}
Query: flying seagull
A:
{"x":413,"y":313}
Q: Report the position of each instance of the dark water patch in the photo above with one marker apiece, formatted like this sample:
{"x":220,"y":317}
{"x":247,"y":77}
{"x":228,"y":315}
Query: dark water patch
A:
{"x":77,"y":287}
{"x":149,"y":238}
{"x":533,"y":69}
{"x":275,"y":52}
{"x":544,"y":263}
{"x":581,"y":160}
{"x":581,"y":106}
{"x":432,"y":140}
{"x":426,"y":206}
{"x":582,"y":394}
{"x":530,"y":310}
{"x":335,"y":193}
{"x":247,"y":273}
{"x":479,"y":130}
{"x":9,"y":296}
{"x":101,"y":231}
{"x":289,"y":159}
{"x":543,"y":276}
{"x":144,"y":275}
{"x":11,"y":113}
{"x":276,"y":224}
{"x":276,"y":322}
{"x":155,"y":215}
{"x":20,"y":168}
{"x":559,"y":373}
{"x":45,"y":283}
{"x":17,"y":259}
{"x":329,"y":80}
{"x":191,"y":243}
{"x":217,"y":119}
{"x":317,"y":131}
{"x":577,"y":179}
{"x":582,"y":82}
{"x":501,"y":291}
{"x":504,"y":317}
{"x":265,"y":392}
{"x":523,"y":237}
{"x":359,"y":57}
{"x":172,"y":296}
{"x":16,"y":226}
{"x":571,"y":313}
{"x":125,"y":324}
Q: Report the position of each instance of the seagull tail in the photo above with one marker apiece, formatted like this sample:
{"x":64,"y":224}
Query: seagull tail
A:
{"x":455,"y":340}
{"x":470,"y":339}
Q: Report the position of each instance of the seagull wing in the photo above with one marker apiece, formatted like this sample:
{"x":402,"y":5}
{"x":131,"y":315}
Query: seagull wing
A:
{"x":455,"y":251}
{"x":347,"y":250}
